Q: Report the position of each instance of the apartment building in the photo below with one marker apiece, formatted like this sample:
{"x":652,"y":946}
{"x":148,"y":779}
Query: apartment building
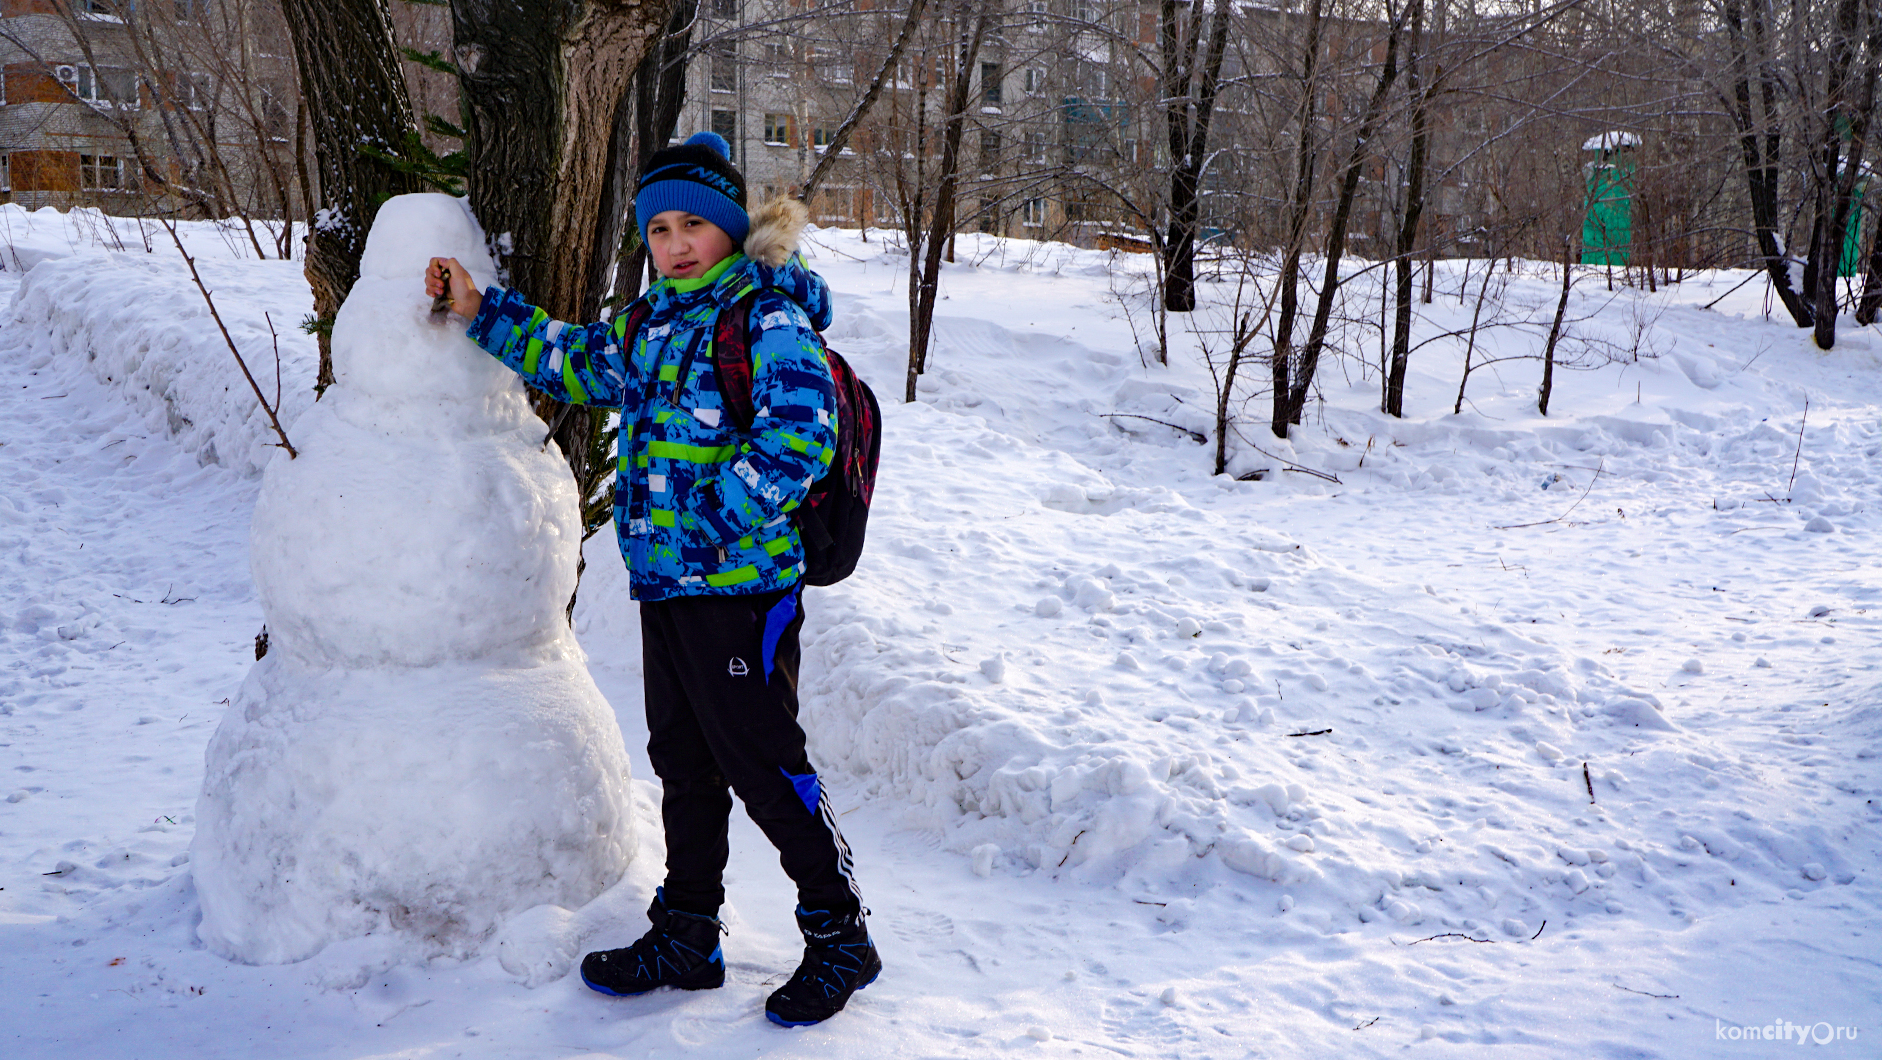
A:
{"x":63,"y":106}
{"x":98,"y":95}
{"x":1051,"y":143}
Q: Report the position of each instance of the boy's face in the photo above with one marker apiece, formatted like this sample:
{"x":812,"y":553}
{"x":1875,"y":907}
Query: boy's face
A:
{"x":685,"y":246}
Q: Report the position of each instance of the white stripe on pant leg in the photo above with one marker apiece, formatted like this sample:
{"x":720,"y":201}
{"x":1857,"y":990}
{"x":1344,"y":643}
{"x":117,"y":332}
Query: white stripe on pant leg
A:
{"x":843,"y":863}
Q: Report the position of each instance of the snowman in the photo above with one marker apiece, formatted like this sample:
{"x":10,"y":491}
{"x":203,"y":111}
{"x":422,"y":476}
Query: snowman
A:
{"x":421,"y":752}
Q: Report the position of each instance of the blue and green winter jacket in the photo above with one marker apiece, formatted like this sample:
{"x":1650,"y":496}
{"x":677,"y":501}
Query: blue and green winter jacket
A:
{"x":699,"y":509}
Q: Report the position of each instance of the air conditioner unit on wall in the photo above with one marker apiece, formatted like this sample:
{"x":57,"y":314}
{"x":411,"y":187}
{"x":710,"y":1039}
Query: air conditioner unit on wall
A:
{"x":67,"y":74}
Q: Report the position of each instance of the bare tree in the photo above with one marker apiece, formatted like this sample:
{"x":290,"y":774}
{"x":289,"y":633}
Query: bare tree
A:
{"x":833,"y":150}
{"x":1292,"y":399}
{"x":1190,"y":80}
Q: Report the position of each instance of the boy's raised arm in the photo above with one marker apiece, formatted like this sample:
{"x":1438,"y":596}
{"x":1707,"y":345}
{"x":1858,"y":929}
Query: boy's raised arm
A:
{"x":580,"y":364}
{"x":577,"y":364}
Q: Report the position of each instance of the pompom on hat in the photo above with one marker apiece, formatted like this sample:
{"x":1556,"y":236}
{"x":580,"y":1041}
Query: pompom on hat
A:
{"x":698,"y":177}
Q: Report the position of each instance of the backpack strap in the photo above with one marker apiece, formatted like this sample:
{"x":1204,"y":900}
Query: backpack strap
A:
{"x":638,"y":313}
{"x":731,"y":359}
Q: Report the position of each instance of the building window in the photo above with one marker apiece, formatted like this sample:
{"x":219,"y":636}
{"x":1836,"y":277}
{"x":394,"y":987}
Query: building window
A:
{"x":195,"y":91}
{"x":778,"y":128}
{"x":1035,"y":147}
{"x":725,"y":123}
{"x":725,"y":8}
{"x":833,"y":69}
{"x":105,"y":84}
{"x":1038,"y":7}
{"x":1032,"y":213}
{"x":722,"y":68}
{"x":778,"y":58}
{"x":989,"y":147}
{"x":1035,"y":80}
{"x":819,"y":137}
{"x":1085,"y":11}
{"x":990,"y":84}
{"x":101,"y":173}
{"x":6,"y":172}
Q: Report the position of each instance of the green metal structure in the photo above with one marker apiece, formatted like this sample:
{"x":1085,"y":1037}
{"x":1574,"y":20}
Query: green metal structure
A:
{"x":1607,"y":227}
{"x":1851,"y":263}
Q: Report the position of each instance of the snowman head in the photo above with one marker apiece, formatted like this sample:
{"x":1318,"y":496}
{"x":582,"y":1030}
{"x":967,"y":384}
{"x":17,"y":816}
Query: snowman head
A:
{"x":387,"y":349}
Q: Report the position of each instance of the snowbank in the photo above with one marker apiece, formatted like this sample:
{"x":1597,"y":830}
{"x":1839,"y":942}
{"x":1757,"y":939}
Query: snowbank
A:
{"x":138,"y":324}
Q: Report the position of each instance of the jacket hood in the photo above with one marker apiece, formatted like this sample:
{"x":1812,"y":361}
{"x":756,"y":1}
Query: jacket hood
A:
{"x":770,"y":262}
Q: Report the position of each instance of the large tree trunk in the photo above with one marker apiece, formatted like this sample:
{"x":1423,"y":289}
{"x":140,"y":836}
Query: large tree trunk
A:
{"x":1871,"y":302}
{"x":1750,"y":44}
{"x":941,"y":221}
{"x":1189,"y":94}
{"x":549,"y":133}
{"x":659,"y":93}
{"x":544,"y":86}
{"x":1394,"y":404}
{"x":1300,"y":208}
{"x":1836,"y":184}
{"x":355,"y":93}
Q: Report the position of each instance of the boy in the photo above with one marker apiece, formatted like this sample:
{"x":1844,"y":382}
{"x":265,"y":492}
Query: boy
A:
{"x":714,"y":558}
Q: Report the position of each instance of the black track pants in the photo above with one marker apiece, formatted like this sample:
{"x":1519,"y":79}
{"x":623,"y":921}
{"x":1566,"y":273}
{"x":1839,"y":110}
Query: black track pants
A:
{"x":721,"y":686}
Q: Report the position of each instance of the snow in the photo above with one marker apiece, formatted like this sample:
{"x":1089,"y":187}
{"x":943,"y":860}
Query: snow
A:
{"x":1136,"y":760}
{"x":1611,"y":140}
{"x":421,"y":752}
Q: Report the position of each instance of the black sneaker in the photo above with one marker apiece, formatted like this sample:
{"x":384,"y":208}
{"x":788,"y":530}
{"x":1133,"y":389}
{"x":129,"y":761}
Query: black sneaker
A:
{"x":838,"y":960}
{"x":681,"y":949}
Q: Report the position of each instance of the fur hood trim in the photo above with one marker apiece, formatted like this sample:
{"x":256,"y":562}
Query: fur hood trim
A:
{"x":775,"y":227}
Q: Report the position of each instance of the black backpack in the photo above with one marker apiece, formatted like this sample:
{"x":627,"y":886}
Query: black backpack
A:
{"x":833,"y":519}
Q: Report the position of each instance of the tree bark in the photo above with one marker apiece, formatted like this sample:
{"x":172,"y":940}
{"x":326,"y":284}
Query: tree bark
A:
{"x":1749,"y":44}
{"x":544,"y":83}
{"x":1836,"y":184}
{"x":1555,"y":329}
{"x":1189,"y":95}
{"x":659,"y":93}
{"x":355,"y":92}
{"x":1871,"y":302}
{"x":1336,"y":234}
{"x":941,"y":220}
{"x":1300,"y":208}
{"x":1394,"y":404}
{"x":549,"y":135}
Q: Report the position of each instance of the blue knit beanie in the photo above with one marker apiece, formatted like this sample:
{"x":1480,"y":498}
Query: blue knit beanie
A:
{"x":697,"y":176}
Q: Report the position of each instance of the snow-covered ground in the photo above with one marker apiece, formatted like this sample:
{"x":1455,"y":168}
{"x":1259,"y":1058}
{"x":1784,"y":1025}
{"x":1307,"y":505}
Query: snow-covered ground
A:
{"x":1525,"y":737}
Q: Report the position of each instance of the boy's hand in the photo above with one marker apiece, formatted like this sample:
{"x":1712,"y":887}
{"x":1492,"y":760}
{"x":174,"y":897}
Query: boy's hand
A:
{"x":444,"y":276}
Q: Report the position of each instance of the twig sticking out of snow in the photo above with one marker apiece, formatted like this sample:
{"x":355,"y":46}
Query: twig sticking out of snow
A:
{"x":1799,"y":454}
{"x":1316,"y":732}
{"x":1538,"y":933}
{"x":1198,"y":436}
{"x":1643,"y":993}
{"x":1733,"y":291}
{"x":1586,"y":779}
{"x":1571,"y":508}
{"x":1450,"y":935}
{"x":170,"y":227}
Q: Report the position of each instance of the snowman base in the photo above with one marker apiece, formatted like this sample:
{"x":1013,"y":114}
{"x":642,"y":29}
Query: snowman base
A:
{"x":428,"y":803}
